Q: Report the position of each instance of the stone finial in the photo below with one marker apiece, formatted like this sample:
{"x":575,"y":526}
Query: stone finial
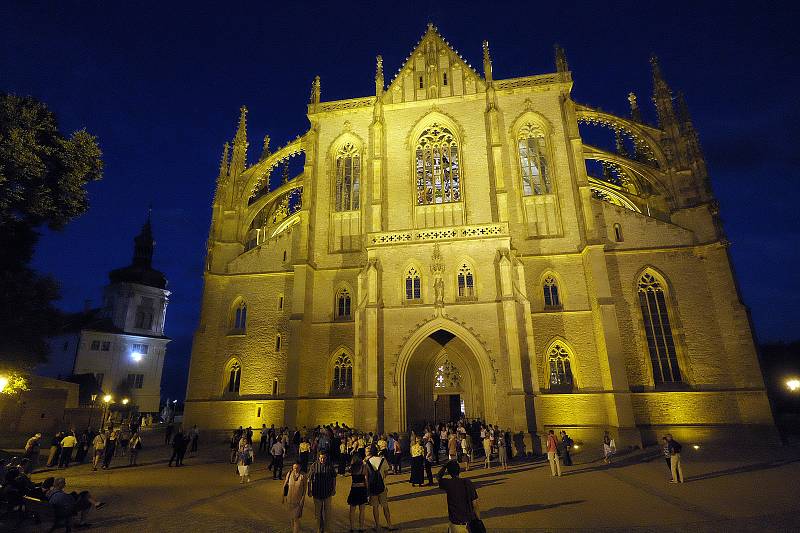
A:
{"x":315,"y":90}
{"x":636,"y":114}
{"x":239,"y":156}
{"x":560,"y":58}
{"x":224,"y":163}
{"x":379,"y":82}
{"x":265,"y":150}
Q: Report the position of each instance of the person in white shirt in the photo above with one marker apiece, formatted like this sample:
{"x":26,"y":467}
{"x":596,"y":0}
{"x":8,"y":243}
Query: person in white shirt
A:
{"x":378,"y":466}
{"x":277,"y":452}
{"x":67,"y":444}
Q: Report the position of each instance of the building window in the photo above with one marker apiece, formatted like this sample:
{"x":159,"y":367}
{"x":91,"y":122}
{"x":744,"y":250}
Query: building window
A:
{"x":99,"y":378}
{"x":144,"y":319}
{"x":438,"y":171}
{"x":140,"y":348}
{"x":413,"y":285}
{"x":239,"y":317}
{"x":275,"y":387}
{"x":444,"y":78}
{"x":551,"y":297}
{"x":342,"y":375}
{"x":343,"y":304}
{"x":466,"y":282}
{"x":447,"y":376}
{"x":135,"y":381}
{"x":658,"y":331}
{"x":234,"y":377}
{"x":95,"y":346}
{"x":420,"y":82}
{"x":278,"y":343}
{"x":258,"y":412}
{"x":280,"y":302}
{"x":617,"y":233}
{"x":560,"y":371}
{"x":533,"y":161}
{"x":348,"y":178}
{"x":284,"y":255}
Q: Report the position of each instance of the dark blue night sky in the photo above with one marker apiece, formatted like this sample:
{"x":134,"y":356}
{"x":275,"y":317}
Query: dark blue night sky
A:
{"x":161,"y":84}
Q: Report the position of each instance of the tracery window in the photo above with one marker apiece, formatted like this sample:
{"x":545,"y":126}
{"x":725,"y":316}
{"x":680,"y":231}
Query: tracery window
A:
{"x":438,"y":170}
{"x":551,"y":297}
{"x":560,"y":371}
{"x":658,"y":330}
{"x":239,"y":317}
{"x":234,"y":377}
{"x":348,"y":178}
{"x":343,"y":304}
{"x":447,"y":376}
{"x":413,"y":284}
{"x":342,"y":375}
{"x":466,"y":282}
{"x":533,"y":161}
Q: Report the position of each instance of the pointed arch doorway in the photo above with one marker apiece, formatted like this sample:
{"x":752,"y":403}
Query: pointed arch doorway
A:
{"x":442,"y":378}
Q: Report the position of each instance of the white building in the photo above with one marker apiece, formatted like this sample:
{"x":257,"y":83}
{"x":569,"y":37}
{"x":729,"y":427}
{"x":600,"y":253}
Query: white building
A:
{"x":123,"y":343}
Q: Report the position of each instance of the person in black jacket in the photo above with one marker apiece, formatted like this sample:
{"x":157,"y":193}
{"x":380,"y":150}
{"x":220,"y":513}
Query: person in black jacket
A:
{"x":180,"y":442}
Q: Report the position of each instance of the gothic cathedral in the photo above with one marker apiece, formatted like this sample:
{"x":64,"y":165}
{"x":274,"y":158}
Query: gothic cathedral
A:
{"x":452,"y":245}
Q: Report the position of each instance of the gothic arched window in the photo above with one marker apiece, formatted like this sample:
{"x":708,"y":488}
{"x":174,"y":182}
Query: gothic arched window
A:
{"x":239,"y":317}
{"x":551,"y":297}
{"x":533,"y":161}
{"x":658,"y":330}
{"x":413,"y":284}
{"x":560,"y":371}
{"x":234,"y":377}
{"x":343,"y":304}
{"x":438,"y":169}
{"x":348,"y":178}
{"x":466,"y":282}
{"x":342,"y":375}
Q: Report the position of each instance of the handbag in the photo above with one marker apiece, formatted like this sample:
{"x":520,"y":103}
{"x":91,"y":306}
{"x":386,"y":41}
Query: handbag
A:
{"x":475,"y":524}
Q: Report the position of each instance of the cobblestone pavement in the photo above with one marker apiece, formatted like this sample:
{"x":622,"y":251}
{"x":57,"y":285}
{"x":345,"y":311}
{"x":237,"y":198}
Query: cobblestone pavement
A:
{"x":724,"y":492}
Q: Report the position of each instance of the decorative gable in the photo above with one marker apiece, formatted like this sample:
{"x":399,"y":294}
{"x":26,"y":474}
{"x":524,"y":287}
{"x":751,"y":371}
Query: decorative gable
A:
{"x":433,"y":70}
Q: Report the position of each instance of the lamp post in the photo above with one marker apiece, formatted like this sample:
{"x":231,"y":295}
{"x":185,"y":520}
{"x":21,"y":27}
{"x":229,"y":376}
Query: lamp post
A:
{"x":91,"y":412}
{"x":106,"y":401}
{"x":793,"y":384}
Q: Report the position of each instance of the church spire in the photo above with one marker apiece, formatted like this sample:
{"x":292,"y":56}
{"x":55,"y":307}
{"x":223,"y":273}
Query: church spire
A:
{"x":560,"y":58}
{"x":265,"y":149}
{"x":239,"y":158}
{"x":487,"y":62}
{"x":662,"y":97}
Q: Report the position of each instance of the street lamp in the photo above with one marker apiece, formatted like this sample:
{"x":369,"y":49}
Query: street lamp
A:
{"x":3,"y":383}
{"x":125,"y":401}
{"x":106,"y":401}
{"x":792,"y":384}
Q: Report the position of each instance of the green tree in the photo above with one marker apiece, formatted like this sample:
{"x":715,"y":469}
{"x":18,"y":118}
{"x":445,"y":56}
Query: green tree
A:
{"x":43,"y":175}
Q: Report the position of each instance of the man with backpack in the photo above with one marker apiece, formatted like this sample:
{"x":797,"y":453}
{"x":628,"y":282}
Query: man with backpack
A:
{"x":377,"y":468}
{"x":462,"y":501}
{"x":322,"y":487}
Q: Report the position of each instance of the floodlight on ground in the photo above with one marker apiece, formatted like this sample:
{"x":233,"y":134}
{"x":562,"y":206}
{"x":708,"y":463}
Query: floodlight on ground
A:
{"x":696,"y":446}
{"x":793,"y":384}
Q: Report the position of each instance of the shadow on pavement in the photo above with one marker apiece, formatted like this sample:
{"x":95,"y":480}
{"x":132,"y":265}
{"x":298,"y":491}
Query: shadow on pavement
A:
{"x":490,"y":513}
{"x":743,"y":469}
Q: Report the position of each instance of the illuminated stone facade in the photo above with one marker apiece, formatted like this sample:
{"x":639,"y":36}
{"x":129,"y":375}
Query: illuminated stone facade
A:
{"x":453,"y":243}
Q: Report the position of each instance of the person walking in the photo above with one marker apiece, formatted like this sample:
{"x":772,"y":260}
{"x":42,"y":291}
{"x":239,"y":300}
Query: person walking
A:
{"x":179,"y":443}
{"x":277,"y":452}
{"x":552,"y":454}
{"x":83,"y":446}
{"x":99,"y":445}
{"x":609,"y":448}
{"x":304,"y":450}
{"x":322,"y":487}
{"x":462,"y":500}
{"x":378,"y":468}
{"x":466,"y":450}
{"x":502,"y":451}
{"x":32,"y":449}
{"x":430,"y":457}
{"x":359,"y":493}
{"x":397,"y":455}
{"x":667,"y":454}
{"x":168,"y":433}
{"x":487,"y":451}
{"x":675,"y":459}
{"x":111,"y":447}
{"x":294,"y":495}
{"x":262,"y":443}
{"x":244,"y":460}
{"x":452,"y":447}
{"x":55,"y":446}
{"x":566,"y":447}
{"x":134,"y":446}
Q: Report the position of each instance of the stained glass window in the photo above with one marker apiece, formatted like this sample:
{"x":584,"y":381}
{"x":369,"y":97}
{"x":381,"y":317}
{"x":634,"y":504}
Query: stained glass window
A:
{"x":533,"y":161}
{"x":234,"y":377}
{"x":413,"y":285}
{"x":560,"y":371}
{"x":342,"y":374}
{"x":343,"y":304}
{"x":447,"y":376}
{"x":466,"y":282}
{"x":348,"y":178}
{"x":658,"y":331}
{"x":551,"y":298}
{"x":438,"y":171}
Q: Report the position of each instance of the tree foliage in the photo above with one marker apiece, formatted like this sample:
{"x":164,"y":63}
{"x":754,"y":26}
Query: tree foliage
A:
{"x":43,"y":177}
